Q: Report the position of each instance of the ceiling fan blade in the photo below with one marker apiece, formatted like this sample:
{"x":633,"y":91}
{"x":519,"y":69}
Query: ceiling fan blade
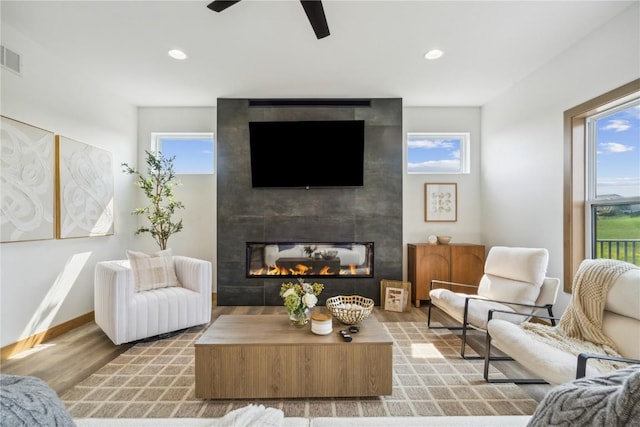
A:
{"x":315,"y":13}
{"x":220,"y":5}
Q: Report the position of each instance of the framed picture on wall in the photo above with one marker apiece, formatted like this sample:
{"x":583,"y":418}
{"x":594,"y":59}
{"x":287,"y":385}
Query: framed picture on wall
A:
{"x":85,"y":190}
{"x":27,"y":182}
{"x":441,"y":202}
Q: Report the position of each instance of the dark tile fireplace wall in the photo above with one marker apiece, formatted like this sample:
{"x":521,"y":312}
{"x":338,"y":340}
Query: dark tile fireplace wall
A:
{"x":369,"y":213}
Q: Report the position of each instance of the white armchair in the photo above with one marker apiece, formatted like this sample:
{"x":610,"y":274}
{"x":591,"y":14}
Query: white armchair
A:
{"x":601,"y":323}
{"x":126,"y":315}
{"x":514,"y":281}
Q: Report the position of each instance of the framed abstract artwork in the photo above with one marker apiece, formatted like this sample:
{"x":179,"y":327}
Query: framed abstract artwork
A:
{"x":441,"y":202}
{"x":26,"y":182}
{"x":84,"y":193}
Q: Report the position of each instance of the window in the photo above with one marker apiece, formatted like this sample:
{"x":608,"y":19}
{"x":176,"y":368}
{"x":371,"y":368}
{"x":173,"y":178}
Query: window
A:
{"x":438,"y":153}
{"x":613,"y":183}
{"x":194,"y":152}
{"x":602,"y":179}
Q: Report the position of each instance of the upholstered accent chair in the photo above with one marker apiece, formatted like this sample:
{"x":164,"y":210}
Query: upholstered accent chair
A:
{"x":514,"y":281}
{"x":128,"y":310}
{"x":598,"y":332}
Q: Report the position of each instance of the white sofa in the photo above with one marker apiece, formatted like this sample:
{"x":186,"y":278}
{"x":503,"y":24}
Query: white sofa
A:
{"x":349,"y":254}
{"x":125,"y":315}
{"x":433,"y":421}
{"x":556,"y":364}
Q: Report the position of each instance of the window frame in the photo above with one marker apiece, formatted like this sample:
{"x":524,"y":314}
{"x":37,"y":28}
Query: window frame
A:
{"x":465,"y":151}
{"x":592,"y":202}
{"x":156,"y":144}
{"x":575,"y":200}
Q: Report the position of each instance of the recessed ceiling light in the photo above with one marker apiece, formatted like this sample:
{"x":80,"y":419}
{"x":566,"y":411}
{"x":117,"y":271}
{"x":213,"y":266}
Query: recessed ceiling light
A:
{"x":434,"y":54}
{"x":177,"y":54}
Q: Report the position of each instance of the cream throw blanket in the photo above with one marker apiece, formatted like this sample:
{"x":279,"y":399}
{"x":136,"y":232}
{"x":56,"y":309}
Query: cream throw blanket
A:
{"x":580,"y":327}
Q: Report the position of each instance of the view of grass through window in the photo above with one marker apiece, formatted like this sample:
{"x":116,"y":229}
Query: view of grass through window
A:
{"x":616,"y":148}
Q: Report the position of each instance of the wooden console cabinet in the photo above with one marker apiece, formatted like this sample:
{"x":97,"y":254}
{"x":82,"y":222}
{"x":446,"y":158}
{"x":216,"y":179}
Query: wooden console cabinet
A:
{"x":460,"y":262}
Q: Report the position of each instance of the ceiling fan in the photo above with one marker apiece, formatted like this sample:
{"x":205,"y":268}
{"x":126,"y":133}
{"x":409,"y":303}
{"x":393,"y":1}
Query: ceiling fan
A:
{"x":313,"y":9}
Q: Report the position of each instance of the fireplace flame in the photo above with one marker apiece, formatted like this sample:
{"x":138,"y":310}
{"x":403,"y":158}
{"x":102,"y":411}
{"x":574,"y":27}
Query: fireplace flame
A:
{"x":302,"y":270}
{"x":277,"y":271}
{"x":265,"y":259}
{"x":299,"y":270}
{"x":326,"y":270}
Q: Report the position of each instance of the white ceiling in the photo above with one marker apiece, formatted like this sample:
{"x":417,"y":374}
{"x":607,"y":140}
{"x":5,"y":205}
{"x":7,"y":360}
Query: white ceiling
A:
{"x":267,"y":49}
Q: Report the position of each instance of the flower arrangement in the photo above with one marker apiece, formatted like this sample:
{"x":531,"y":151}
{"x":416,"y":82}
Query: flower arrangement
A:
{"x":300,"y":297}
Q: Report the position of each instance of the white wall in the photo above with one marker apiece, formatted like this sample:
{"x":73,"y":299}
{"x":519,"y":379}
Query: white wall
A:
{"x":48,"y":282}
{"x":522,"y":138}
{"x":197,"y":192}
{"x":467,"y":229}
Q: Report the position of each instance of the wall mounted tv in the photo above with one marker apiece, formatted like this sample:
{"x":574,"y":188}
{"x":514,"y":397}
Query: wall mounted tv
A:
{"x":307,"y":154}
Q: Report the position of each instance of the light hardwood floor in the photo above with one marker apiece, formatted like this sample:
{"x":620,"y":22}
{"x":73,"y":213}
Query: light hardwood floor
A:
{"x":70,"y":358}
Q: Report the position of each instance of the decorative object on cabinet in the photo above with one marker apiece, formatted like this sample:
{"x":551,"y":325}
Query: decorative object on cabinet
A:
{"x":460,"y":262}
{"x":514,"y":281}
{"x":85,"y":190}
{"x":441,"y":202}
{"x":444,"y":240}
{"x":27,"y":184}
{"x":406,"y":286}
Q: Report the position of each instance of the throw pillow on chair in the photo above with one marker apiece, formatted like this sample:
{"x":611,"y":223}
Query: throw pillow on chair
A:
{"x":152,"y":271}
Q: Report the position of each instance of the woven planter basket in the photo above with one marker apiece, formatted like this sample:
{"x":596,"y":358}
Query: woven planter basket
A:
{"x":351,"y":309}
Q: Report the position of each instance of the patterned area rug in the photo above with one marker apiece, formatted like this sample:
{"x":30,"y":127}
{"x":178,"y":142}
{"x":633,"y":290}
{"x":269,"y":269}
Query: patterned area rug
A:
{"x":155,"y":380}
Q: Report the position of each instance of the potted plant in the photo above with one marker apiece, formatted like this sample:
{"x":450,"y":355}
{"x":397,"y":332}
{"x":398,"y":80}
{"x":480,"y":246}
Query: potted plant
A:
{"x":158,"y":187}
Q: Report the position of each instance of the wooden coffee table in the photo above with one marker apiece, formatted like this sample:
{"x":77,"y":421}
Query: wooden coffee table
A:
{"x":264,"y":356}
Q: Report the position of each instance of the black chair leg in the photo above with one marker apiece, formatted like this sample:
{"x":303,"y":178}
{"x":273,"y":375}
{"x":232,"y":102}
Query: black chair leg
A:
{"x":463,"y":346}
{"x":488,"y":359}
{"x":454,"y":328}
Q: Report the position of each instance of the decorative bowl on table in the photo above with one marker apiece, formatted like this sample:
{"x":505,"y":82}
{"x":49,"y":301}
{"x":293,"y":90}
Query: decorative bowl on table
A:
{"x":351,"y":309}
{"x":444,"y":240}
{"x":331,"y":254}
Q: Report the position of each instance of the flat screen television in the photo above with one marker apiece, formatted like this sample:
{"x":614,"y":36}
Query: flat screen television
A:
{"x":307,"y":153}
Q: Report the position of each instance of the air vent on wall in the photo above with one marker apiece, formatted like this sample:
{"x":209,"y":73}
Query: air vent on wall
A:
{"x":10,"y":60}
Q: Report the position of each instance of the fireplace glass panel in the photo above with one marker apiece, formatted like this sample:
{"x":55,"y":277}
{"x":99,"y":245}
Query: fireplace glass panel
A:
{"x":316,"y":259}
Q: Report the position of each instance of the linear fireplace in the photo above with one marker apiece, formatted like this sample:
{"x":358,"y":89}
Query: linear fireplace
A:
{"x":316,"y":259}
